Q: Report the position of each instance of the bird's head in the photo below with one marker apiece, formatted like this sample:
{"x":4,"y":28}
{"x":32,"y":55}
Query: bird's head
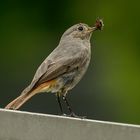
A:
{"x":82,"y":30}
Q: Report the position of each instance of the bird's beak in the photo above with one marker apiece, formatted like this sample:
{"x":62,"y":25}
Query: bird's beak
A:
{"x":91,"y":29}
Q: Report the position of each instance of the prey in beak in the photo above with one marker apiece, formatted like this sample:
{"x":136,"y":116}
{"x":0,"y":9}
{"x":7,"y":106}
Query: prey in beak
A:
{"x":98,"y":25}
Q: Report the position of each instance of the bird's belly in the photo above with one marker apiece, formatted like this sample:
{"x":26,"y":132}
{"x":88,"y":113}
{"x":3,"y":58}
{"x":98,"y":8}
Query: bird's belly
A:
{"x":77,"y":78}
{"x":68,"y":80}
{"x":71,"y":79}
{"x":63,"y":82}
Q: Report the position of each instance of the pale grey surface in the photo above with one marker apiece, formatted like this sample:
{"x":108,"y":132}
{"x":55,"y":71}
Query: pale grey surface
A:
{"x":17,"y":125}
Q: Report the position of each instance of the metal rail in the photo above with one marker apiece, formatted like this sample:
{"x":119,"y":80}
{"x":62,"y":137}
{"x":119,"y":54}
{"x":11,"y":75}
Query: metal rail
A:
{"x":19,"y":125}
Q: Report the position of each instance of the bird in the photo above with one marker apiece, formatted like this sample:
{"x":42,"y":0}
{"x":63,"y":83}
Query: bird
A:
{"x":63,"y":68}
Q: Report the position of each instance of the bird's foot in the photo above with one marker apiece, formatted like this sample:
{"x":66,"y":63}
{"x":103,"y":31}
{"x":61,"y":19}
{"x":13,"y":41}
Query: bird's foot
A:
{"x":72,"y":114}
{"x":63,"y":114}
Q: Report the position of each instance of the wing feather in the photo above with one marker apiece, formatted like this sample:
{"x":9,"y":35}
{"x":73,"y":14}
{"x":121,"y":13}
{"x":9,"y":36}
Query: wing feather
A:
{"x":57,"y":63}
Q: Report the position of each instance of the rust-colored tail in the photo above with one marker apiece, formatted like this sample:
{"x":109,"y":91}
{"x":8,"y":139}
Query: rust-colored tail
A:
{"x":25,"y":96}
{"x":19,"y":101}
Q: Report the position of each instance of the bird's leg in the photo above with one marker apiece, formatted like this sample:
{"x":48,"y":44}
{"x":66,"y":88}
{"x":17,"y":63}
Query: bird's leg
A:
{"x":72,"y":114}
{"x":59,"y":103}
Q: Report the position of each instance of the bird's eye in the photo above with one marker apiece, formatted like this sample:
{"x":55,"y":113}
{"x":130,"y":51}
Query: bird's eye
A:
{"x":80,"y":28}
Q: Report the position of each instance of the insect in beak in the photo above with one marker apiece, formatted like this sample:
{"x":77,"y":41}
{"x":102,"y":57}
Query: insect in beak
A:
{"x":98,"y":25}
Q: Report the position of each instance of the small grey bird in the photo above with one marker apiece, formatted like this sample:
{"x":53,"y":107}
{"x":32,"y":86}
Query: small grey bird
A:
{"x":63,"y":68}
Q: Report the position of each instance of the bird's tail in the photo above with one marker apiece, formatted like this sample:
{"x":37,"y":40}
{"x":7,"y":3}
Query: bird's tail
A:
{"x":19,"y":101}
{"x":25,"y":96}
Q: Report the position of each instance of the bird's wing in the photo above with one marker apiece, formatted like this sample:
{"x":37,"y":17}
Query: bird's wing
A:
{"x":59,"y":68}
{"x":49,"y":70}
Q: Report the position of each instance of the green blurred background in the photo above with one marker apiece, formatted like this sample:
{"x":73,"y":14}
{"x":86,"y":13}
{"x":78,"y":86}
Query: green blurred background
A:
{"x":30,"y":30}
